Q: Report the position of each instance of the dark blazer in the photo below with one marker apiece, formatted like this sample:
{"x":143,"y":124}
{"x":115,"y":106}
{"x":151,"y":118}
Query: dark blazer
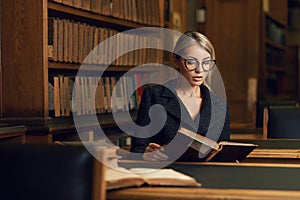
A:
{"x":213,"y":120}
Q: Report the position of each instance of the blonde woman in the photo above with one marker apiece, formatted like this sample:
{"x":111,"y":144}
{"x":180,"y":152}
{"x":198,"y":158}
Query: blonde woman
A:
{"x":194,"y":58}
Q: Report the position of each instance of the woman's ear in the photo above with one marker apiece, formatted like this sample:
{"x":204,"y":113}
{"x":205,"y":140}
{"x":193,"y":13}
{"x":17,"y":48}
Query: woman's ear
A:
{"x":176,"y":60}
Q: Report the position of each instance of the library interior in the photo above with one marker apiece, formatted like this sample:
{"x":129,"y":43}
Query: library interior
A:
{"x":72,"y":76}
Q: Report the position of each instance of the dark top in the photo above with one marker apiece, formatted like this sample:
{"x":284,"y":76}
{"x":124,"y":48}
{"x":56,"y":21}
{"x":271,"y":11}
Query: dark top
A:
{"x":213,"y":120}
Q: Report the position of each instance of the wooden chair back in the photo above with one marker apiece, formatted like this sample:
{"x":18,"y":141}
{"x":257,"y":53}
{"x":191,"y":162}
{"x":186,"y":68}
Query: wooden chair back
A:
{"x":281,"y":122}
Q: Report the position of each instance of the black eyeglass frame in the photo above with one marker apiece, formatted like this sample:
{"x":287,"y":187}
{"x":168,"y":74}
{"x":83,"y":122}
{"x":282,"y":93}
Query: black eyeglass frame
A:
{"x":198,"y":63}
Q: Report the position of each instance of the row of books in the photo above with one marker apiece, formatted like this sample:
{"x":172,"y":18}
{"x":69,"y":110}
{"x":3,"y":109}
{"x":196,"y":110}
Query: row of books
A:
{"x":72,"y":42}
{"x":140,"y":11}
{"x":92,"y":95}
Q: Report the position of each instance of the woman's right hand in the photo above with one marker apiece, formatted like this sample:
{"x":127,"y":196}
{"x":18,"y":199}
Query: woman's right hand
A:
{"x":153,"y":152}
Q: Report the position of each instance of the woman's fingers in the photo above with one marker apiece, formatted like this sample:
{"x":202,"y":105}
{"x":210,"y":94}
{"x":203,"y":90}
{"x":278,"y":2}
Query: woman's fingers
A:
{"x":153,"y":153}
{"x":155,"y":146}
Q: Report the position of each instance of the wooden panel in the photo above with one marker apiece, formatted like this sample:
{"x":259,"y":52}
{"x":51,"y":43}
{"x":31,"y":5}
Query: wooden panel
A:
{"x":24,"y":58}
{"x":233,"y":27}
{"x":279,"y":10}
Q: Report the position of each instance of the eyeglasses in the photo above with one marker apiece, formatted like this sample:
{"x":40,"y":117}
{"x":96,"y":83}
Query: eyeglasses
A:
{"x":192,"y":64}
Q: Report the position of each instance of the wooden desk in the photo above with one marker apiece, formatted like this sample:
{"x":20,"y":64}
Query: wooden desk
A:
{"x":166,"y":193}
{"x":12,"y":133}
{"x":273,"y":143}
{"x":274,"y":151}
{"x":225,"y":181}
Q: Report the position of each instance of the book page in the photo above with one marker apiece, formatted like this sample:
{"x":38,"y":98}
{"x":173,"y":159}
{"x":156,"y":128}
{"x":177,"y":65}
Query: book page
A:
{"x":165,"y":177}
{"x":199,"y":138}
{"x":235,"y":143}
{"x":120,"y":177}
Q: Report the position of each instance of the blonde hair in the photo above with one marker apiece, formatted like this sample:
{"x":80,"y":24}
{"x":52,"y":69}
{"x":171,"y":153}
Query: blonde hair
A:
{"x":190,"y":38}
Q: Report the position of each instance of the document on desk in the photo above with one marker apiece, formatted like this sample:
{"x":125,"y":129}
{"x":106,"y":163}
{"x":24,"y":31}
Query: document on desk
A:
{"x":135,"y":177}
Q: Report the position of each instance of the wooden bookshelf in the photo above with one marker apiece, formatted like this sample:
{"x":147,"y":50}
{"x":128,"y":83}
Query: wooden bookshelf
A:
{"x":274,"y":52}
{"x":243,"y":50}
{"x":27,"y":65}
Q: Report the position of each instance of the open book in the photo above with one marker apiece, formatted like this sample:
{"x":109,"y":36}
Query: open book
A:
{"x":120,"y":177}
{"x":210,"y":150}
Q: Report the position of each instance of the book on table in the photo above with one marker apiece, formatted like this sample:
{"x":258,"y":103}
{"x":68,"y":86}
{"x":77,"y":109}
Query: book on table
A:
{"x":120,"y":177}
{"x":205,"y":149}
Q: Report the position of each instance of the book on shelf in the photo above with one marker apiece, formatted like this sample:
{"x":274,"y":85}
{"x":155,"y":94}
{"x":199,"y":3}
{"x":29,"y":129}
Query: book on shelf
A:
{"x":119,"y":177}
{"x":70,"y":41}
{"x":91,"y":95}
{"x":68,"y":2}
{"x":86,"y":5}
{"x":77,"y":3}
{"x":142,"y":11}
{"x":60,"y":41}
{"x":224,"y":151}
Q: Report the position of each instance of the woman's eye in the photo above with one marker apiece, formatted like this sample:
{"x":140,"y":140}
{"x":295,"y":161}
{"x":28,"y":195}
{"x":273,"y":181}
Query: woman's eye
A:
{"x":207,"y":62}
{"x":191,"y":62}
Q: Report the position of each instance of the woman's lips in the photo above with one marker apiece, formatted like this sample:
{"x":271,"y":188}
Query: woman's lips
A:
{"x":197,"y":78}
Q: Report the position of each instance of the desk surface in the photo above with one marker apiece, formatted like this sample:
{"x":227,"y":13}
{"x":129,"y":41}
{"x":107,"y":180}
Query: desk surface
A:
{"x":274,"y":151}
{"x":166,"y":193}
{"x":273,"y":143}
{"x":265,"y":176}
{"x":224,"y":181}
{"x":235,"y":176}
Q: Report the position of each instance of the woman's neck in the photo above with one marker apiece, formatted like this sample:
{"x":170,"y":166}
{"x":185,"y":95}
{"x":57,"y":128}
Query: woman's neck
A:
{"x":186,"y":89}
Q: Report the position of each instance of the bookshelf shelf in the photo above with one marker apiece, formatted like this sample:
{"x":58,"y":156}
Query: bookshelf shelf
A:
{"x":276,"y":69}
{"x":275,"y":45}
{"x":279,"y":22}
{"x":105,"y":120}
{"x":94,"y":67}
{"x":83,"y":14}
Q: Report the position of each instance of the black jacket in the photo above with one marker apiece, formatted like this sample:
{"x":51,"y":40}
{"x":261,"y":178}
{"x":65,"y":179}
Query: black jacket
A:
{"x":213,"y":120}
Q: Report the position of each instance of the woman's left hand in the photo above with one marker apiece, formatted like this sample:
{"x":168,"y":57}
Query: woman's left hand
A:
{"x":153,"y":153}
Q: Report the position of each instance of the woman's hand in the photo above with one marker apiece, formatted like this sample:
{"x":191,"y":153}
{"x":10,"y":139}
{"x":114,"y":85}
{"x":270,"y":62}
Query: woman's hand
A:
{"x":153,"y":153}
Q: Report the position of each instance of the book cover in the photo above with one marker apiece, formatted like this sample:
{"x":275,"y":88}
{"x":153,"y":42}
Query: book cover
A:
{"x":204,"y":149}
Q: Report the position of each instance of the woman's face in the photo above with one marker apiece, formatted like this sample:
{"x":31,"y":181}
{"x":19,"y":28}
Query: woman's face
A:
{"x":190,"y":57}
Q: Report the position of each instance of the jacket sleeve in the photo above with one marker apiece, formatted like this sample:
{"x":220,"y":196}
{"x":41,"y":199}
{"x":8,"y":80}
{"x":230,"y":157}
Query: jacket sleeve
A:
{"x":139,"y":144}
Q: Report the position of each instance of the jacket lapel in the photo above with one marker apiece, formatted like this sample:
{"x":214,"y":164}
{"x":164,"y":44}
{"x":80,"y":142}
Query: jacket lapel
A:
{"x":171,"y":103}
{"x":173,"y":106}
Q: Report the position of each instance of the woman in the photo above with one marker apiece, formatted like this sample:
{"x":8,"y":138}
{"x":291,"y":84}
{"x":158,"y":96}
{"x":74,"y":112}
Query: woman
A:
{"x":194,"y":58}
